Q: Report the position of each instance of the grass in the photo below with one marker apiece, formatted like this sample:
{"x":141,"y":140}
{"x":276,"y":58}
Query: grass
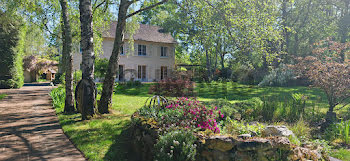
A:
{"x":343,"y":154}
{"x":2,"y":96}
{"x":106,"y":137}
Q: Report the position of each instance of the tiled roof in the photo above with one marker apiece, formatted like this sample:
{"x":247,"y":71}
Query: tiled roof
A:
{"x":145,"y":33}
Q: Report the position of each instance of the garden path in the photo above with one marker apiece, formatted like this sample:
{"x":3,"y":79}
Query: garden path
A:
{"x":29,"y":127}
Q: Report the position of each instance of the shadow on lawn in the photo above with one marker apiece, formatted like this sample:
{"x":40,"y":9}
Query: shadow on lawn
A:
{"x":121,"y":149}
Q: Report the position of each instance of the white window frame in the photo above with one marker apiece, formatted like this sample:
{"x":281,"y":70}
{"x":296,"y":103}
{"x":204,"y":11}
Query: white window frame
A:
{"x":142,"y":50}
{"x":164,"y":51}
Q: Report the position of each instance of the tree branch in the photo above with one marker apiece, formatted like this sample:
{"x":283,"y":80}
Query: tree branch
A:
{"x":104,"y":1}
{"x":146,"y":8}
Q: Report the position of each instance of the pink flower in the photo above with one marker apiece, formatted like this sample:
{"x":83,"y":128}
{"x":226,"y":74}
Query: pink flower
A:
{"x":216,"y":108}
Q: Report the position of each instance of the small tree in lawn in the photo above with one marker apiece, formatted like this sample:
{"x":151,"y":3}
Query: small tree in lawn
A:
{"x":325,"y":70}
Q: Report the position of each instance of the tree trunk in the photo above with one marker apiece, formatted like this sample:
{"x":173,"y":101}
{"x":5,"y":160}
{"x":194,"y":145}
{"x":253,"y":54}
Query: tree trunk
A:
{"x":86,"y":88}
{"x":208,"y":64}
{"x":67,"y":58}
{"x":108,"y":83}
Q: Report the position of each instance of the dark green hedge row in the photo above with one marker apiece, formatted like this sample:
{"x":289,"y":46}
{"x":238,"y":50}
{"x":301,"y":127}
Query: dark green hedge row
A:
{"x":12,"y":34}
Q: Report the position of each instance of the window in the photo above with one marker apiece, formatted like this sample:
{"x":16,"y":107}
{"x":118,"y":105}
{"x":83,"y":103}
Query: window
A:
{"x":141,"y":72}
{"x":163,"y":51}
{"x":122,"y":51}
{"x":121,"y":73}
{"x":142,"y":49}
{"x":163,"y":72}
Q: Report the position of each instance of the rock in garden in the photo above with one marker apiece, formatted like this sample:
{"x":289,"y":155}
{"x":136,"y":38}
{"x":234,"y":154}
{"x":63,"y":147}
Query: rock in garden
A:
{"x":222,"y":143}
{"x":244,"y":136}
{"x":277,"y":131}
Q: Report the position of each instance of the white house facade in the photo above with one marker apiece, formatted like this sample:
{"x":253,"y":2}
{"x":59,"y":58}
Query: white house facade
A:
{"x":152,"y":59}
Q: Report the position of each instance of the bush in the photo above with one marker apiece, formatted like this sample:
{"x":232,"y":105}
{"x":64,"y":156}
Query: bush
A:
{"x":58,"y":96}
{"x":301,"y":129}
{"x":339,"y":131}
{"x":12,"y":35}
{"x":101,"y":66}
{"x":227,"y":109}
{"x":280,"y":76}
{"x":184,"y":113}
{"x":59,"y":78}
{"x":291,"y":109}
{"x":176,"y":146}
{"x":235,"y":127}
{"x":173,"y":87}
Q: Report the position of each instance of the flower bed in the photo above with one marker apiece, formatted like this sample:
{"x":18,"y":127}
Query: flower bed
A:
{"x":185,"y":129}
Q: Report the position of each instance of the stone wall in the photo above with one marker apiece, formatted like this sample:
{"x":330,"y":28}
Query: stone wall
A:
{"x":224,"y":147}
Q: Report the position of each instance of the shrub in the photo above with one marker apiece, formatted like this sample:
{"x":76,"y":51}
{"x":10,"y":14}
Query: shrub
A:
{"x":176,"y":146}
{"x":173,"y":87}
{"x":58,"y":96}
{"x":184,"y":113}
{"x":339,"y":131}
{"x":291,"y":109}
{"x":280,"y":76}
{"x":59,"y":79}
{"x":301,"y":129}
{"x":240,"y":110}
{"x":227,"y":109}
{"x":235,"y":127}
{"x":12,"y":35}
{"x":101,"y":66}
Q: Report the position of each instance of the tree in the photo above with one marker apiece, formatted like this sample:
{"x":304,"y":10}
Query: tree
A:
{"x":326,"y":70}
{"x":12,"y":35}
{"x":67,"y":57}
{"x":86,"y":89}
{"x":108,"y":83}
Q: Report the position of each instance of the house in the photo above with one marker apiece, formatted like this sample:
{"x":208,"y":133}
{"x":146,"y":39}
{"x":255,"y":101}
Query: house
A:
{"x":152,"y":59}
{"x":50,"y":74}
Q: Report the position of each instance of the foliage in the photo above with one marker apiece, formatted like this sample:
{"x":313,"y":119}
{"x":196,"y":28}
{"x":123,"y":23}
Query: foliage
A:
{"x":185,"y":113}
{"x":12,"y":34}
{"x":343,"y":154}
{"x":77,"y":75}
{"x":37,"y":64}
{"x":100,"y":67}
{"x":235,"y":127}
{"x":59,"y":78}
{"x":301,"y":129}
{"x":339,"y":131}
{"x":177,"y":86}
{"x":280,"y":76}
{"x":326,"y":71}
{"x":58,"y":96}
{"x":291,"y":109}
{"x":2,"y":96}
{"x":176,"y":146}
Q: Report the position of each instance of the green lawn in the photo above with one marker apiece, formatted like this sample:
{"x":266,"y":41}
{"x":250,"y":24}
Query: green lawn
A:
{"x":2,"y":96}
{"x":105,"y":137}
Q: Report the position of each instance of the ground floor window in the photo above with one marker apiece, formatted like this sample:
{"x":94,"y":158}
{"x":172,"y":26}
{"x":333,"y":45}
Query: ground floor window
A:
{"x":141,"y":72}
{"x":163,"y":72}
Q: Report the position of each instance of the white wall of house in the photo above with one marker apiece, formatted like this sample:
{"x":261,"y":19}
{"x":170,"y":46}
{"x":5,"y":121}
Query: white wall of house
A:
{"x":131,"y":60}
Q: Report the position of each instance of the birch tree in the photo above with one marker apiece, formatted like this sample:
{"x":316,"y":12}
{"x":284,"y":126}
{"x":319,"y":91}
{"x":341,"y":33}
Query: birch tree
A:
{"x":68,"y":57}
{"x":85,"y":92}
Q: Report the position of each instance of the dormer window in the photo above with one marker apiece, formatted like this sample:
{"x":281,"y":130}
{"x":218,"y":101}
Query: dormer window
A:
{"x":142,"y":50}
{"x":163,"y":51}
